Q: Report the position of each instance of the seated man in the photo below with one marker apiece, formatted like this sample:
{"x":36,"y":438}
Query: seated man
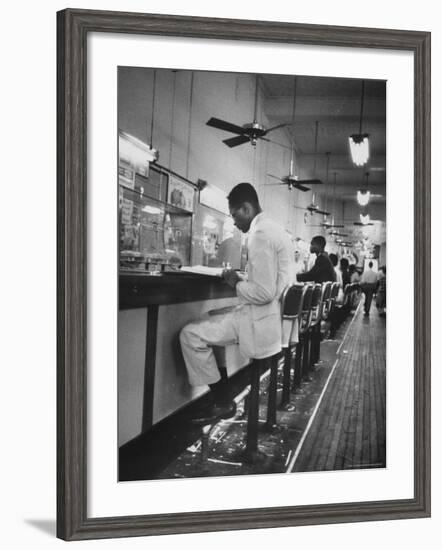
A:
{"x":322,"y":269}
{"x":256,"y":323}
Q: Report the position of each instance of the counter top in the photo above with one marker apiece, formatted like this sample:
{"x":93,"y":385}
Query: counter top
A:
{"x":141,"y":290}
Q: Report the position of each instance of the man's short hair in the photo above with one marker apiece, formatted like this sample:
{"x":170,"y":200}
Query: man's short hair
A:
{"x":333,"y":259}
{"x":344,"y":263}
{"x":319,"y":240}
{"x":241,"y":193}
{"x":370,"y":264}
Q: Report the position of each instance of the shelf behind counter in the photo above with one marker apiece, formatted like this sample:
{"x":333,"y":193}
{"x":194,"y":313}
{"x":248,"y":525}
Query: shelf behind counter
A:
{"x":138,"y":289}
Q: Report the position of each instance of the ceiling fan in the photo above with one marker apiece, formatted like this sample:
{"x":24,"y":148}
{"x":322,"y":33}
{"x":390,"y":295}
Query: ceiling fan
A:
{"x":291,"y":180}
{"x":247,"y":132}
{"x":313,"y":208}
{"x":337,"y":234}
{"x":332,"y":225}
{"x":325,"y":224}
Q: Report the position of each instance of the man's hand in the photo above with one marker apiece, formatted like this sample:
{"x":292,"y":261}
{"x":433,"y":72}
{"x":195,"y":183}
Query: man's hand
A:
{"x":231,"y":277}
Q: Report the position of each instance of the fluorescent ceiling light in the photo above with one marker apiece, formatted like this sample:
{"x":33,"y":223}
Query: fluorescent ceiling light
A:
{"x":363,"y":197}
{"x":359,"y":148}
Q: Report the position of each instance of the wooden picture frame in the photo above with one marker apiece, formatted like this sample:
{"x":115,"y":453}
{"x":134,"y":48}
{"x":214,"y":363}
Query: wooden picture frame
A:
{"x":73,"y":27}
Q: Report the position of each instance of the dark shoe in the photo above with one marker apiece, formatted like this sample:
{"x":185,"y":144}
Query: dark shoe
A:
{"x":216,"y":413}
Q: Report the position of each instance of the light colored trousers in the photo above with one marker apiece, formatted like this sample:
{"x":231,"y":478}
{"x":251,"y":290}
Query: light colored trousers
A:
{"x":217,"y":328}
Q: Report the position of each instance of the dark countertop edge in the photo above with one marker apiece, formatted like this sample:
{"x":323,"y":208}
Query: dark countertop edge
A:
{"x":142,"y":290}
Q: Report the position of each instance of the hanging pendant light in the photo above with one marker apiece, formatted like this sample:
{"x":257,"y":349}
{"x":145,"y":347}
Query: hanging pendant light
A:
{"x":359,"y":144}
{"x":363,"y":195}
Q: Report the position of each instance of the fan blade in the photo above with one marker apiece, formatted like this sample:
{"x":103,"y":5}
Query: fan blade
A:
{"x":310,"y":182}
{"x":276,"y":127}
{"x":297,"y":185}
{"x":333,"y":226}
{"x":235,"y":141}
{"x":224,"y":125}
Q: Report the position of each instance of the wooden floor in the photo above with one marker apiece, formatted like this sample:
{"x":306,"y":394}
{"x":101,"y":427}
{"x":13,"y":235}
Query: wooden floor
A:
{"x":334,"y":421}
{"x":348,"y":428}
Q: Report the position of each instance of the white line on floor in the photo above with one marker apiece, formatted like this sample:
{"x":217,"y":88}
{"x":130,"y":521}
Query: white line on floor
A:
{"x":348,"y":328}
{"x":218,"y":461}
{"x":310,"y":422}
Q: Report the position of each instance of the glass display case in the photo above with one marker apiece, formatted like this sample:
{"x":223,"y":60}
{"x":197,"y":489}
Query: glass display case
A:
{"x":152,"y":233}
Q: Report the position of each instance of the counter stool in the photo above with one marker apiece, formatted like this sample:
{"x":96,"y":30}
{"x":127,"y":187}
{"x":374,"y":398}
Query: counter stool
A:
{"x":312,"y":333}
{"x":291,"y":310}
{"x":333,"y":297}
{"x":324,"y":308}
{"x":327,"y":298}
{"x":304,"y":324}
{"x":333,"y":311}
{"x":251,"y":454}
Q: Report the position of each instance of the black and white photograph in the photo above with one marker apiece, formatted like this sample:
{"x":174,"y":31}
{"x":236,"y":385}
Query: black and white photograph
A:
{"x":252,"y":273}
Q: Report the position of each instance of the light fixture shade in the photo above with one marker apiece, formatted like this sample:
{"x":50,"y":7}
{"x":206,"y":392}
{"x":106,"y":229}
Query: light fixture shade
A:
{"x":359,"y":148}
{"x":364,"y":219}
{"x":363,"y":197}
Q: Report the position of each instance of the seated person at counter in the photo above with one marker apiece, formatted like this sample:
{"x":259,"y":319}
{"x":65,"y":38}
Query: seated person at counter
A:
{"x":255,"y":324}
{"x":354,"y":274}
{"x":344,"y":263}
{"x":322,"y":269}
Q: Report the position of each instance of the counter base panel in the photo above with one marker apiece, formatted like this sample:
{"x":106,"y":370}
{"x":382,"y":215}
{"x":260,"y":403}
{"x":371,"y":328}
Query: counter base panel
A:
{"x":152,"y":377}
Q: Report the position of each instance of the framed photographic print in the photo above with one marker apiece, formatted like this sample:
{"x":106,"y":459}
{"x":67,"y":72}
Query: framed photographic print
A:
{"x":311,"y":403}
{"x":181,"y":194}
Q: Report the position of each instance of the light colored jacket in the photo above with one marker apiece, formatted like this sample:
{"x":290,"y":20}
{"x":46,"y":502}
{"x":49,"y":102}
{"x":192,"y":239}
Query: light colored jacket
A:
{"x":369,"y":277}
{"x":268,"y":273}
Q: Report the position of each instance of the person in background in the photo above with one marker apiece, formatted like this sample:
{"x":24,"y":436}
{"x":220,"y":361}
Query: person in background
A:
{"x":256,"y":323}
{"x":381,"y":294}
{"x":298,"y":265}
{"x":322,"y":269}
{"x":354,"y":275}
{"x":344,"y":271}
{"x":334,"y":261}
{"x":368,"y":284}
